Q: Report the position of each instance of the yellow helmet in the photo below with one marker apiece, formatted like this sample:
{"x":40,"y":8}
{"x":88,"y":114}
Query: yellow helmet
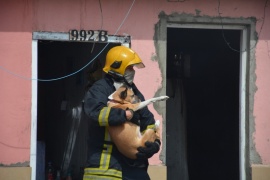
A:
{"x":119,"y":58}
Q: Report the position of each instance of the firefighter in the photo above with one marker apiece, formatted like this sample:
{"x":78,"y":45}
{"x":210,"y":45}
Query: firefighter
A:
{"x":104,"y":161}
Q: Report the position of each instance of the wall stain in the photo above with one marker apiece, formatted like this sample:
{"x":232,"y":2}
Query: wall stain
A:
{"x":198,"y":12}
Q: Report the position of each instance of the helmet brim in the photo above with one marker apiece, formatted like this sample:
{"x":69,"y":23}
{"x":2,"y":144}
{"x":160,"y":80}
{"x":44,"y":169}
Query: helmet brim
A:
{"x":139,"y":65}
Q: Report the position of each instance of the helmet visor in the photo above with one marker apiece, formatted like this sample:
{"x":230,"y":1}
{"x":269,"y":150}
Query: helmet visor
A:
{"x":139,"y":65}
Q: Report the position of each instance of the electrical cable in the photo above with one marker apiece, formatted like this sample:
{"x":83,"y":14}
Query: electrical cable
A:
{"x":223,"y":34}
{"x":101,"y":27}
{"x":71,"y":74}
{"x":268,"y":50}
{"x":14,"y":147}
{"x":176,"y":1}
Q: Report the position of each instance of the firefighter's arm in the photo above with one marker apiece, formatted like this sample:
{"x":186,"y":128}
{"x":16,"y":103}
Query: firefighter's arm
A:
{"x":95,"y":107}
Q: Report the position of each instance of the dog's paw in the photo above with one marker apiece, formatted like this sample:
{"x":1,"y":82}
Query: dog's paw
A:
{"x":157,"y":124}
{"x":162,"y":98}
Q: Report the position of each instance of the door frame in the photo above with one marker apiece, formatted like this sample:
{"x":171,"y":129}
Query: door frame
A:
{"x":52,"y":36}
{"x":242,"y":85}
{"x":247,"y":50}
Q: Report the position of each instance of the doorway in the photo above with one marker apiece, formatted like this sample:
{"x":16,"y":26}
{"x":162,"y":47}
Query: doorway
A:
{"x":202,"y":114}
{"x":57,"y":99}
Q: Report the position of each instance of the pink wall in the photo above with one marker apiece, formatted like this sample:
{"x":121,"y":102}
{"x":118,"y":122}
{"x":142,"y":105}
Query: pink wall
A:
{"x":19,"y":18}
{"x":15,"y":93}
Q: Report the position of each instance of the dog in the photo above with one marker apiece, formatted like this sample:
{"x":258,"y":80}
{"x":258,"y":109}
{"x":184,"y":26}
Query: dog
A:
{"x":127,"y":137}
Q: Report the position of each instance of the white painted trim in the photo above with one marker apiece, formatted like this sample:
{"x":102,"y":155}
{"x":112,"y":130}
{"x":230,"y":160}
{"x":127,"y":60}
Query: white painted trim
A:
{"x":242,"y":108}
{"x":33,"y":147}
{"x":242,"y":83}
{"x":64,"y":36}
{"x":206,"y":26}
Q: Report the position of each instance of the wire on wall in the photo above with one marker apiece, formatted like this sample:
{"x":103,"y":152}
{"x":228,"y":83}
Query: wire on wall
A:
{"x":101,"y":26}
{"x":223,"y":34}
{"x":176,"y":0}
{"x":14,"y":147}
{"x":268,"y":50}
{"x":127,"y":14}
{"x":71,"y":74}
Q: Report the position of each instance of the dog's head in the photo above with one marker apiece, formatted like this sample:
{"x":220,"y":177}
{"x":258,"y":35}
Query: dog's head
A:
{"x":124,"y":94}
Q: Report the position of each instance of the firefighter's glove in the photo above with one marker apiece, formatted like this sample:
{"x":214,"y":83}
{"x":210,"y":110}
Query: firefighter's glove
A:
{"x":149,"y":150}
{"x":135,"y":117}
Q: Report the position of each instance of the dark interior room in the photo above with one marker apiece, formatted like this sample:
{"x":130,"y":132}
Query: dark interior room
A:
{"x":203,"y":66}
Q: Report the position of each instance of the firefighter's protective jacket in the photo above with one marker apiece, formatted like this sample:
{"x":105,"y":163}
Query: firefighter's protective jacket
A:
{"x":104,"y":160}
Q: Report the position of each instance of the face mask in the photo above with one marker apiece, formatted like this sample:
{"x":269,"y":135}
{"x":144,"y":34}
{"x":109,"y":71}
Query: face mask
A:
{"x":129,"y":75}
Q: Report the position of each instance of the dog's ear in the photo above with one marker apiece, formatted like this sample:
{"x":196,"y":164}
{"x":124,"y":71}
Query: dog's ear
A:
{"x":123,"y":94}
{"x":115,"y":96}
{"x":111,"y":96}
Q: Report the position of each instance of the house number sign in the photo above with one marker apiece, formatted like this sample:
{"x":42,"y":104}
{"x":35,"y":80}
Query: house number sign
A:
{"x":88,"y":35}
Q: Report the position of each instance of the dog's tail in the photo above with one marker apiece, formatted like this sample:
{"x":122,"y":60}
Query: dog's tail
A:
{"x":157,"y":124}
{"x":157,"y":129}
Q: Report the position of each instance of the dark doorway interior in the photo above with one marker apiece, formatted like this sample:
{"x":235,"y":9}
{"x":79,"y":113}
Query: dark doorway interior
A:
{"x":203,"y":111}
{"x":56,"y":99}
